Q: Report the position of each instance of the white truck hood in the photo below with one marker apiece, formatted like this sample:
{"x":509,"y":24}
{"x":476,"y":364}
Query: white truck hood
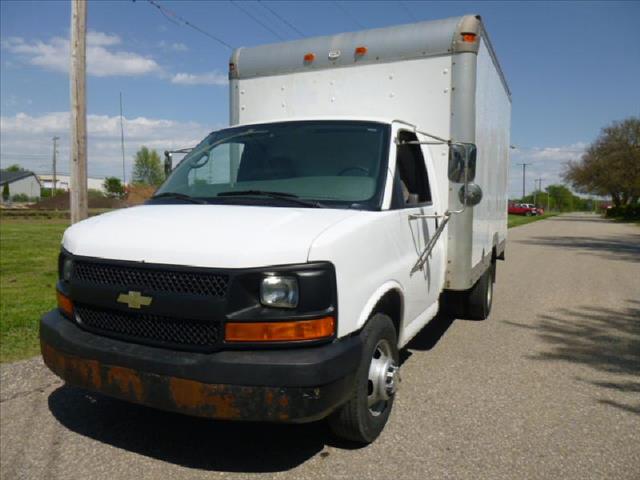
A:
{"x":219,"y":236}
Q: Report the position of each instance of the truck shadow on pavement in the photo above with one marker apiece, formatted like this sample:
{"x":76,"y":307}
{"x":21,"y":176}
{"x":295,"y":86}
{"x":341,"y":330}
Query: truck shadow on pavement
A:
{"x":428,"y":337}
{"x":187,"y":441}
{"x":201,"y":443}
{"x":604,"y":339}
{"x":623,"y":248}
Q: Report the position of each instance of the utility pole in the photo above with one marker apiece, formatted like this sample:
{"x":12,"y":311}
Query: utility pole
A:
{"x":124,"y":180}
{"x":524,"y":170}
{"x":55,"y":153}
{"x":79,"y":203}
{"x":539,"y":189}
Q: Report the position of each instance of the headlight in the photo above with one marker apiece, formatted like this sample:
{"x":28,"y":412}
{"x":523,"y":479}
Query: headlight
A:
{"x":276,"y":291}
{"x":67,"y":269}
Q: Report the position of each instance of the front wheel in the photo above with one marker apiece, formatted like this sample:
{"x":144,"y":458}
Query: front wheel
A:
{"x":365,"y":414}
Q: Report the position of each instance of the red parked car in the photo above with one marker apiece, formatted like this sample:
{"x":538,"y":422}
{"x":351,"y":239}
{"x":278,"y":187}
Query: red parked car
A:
{"x":526,"y":209}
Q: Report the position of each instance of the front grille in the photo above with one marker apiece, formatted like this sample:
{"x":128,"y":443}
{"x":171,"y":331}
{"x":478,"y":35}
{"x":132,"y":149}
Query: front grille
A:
{"x":168,"y":281}
{"x":150,"y":329}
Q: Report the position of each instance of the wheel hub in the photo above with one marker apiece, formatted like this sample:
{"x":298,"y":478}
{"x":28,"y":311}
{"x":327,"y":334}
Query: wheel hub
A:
{"x":384,"y":376}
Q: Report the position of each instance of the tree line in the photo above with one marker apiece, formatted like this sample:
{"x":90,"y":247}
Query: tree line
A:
{"x":559,"y":198}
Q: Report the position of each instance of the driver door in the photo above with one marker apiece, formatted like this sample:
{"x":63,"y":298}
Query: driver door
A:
{"x":415,"y":199}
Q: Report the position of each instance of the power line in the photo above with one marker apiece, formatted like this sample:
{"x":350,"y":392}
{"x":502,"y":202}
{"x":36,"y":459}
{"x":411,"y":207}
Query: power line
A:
{"x":283,"y":20}
{"x":255,"y":19}
{"x":170,"y":15}
{"x":344,"y":10}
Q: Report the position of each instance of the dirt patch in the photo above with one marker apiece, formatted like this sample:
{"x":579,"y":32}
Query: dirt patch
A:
{"x":137,"y":194}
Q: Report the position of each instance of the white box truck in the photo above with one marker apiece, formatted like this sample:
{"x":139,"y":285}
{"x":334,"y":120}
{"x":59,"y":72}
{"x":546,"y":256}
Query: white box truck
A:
{"x":274,"y":276}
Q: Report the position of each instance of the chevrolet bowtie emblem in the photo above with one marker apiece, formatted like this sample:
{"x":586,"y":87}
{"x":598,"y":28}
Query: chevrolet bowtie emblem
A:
{"x":134,"y":299}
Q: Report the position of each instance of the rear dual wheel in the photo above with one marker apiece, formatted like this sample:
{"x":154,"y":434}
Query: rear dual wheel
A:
{"x":481,"y":295}
{"x":364,"y":416}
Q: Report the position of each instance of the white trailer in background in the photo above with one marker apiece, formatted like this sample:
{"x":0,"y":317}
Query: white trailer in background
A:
{"x":360,"y":189}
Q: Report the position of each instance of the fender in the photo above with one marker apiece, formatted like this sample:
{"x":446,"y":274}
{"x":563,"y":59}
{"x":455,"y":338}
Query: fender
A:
{"x":380,"y":292}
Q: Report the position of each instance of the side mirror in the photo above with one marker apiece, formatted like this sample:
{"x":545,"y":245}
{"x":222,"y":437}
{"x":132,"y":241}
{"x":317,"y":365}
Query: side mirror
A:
{"x":458,"y":153}
{"x":168,"y":160}
{"x":470,"y":196}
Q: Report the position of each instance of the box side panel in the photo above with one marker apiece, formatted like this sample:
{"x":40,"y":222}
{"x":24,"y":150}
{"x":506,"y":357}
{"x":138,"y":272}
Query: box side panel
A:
{"x":415,"y":91}
{"x":493,"y":121}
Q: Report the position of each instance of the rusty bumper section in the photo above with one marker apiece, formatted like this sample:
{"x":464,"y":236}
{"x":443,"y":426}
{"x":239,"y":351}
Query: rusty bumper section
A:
{"x":229,"y":402}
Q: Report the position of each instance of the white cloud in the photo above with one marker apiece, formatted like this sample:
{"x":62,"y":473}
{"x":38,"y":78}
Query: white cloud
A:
{"x":26,"y":140}
{"x":179,"y":47}
{"x":544,"y":162}
{"x":105,"y":58}
{"x":102,"y":39}
{"x":102,"y":59}
{"x":210,"y":78}
{"x":173,"y":47}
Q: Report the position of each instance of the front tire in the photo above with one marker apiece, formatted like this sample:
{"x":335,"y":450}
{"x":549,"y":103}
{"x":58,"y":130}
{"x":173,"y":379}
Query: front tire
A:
{"x":365,"y":414}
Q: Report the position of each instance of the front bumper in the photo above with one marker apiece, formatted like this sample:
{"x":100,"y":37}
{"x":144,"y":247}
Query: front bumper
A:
{"x":283,"y":385}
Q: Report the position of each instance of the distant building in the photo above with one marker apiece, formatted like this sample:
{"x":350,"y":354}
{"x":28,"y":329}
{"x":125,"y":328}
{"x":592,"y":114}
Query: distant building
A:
{"x":63,"y":182}
{"x":20,"y":183}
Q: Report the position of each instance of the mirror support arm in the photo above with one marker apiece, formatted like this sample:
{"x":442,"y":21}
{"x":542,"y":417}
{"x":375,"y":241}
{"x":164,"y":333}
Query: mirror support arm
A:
{"x":424,"y":256}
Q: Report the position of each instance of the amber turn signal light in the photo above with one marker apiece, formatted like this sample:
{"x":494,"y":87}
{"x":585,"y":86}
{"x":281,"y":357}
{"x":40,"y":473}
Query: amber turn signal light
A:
{"x":360,"y":51}
{"x":309,"y":57}
{"x":280,"y":331}
{"x":469,"y":37}
{"x":65,"y":304}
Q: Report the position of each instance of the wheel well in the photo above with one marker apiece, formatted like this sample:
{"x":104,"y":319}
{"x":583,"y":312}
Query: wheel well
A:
{"x":391,"y":305}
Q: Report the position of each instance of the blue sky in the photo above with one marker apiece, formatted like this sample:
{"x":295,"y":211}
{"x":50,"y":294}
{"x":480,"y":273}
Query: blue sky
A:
{"x":573,"y":67}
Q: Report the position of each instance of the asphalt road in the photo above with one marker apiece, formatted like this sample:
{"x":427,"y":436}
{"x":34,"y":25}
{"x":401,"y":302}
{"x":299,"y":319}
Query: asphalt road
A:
{"x":547,"y":387}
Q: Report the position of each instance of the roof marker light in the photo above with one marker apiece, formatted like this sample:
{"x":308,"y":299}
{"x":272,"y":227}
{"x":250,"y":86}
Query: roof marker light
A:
{"x":309,"y":57}
{"x":233,"y":71}
{"x":469,"y":37}
{"x":360,"y":51}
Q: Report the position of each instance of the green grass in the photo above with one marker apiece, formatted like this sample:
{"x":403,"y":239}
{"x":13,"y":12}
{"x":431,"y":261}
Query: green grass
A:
{"x":28,"y":272}
{"x":517,"y":220}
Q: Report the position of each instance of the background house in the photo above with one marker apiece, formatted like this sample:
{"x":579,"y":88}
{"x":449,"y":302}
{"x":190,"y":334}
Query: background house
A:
{"x":20,"y":183}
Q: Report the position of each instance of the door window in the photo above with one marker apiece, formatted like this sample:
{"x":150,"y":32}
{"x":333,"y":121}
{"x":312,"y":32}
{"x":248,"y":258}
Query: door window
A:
{"x":411,"y":183}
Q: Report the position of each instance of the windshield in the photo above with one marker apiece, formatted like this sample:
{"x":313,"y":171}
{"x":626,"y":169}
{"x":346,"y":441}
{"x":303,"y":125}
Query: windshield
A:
{"x":338,"y":163}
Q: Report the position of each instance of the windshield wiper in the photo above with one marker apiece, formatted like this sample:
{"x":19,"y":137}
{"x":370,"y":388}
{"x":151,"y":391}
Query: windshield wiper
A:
{"x":290,"y":197}
{"x":181,"y":196}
